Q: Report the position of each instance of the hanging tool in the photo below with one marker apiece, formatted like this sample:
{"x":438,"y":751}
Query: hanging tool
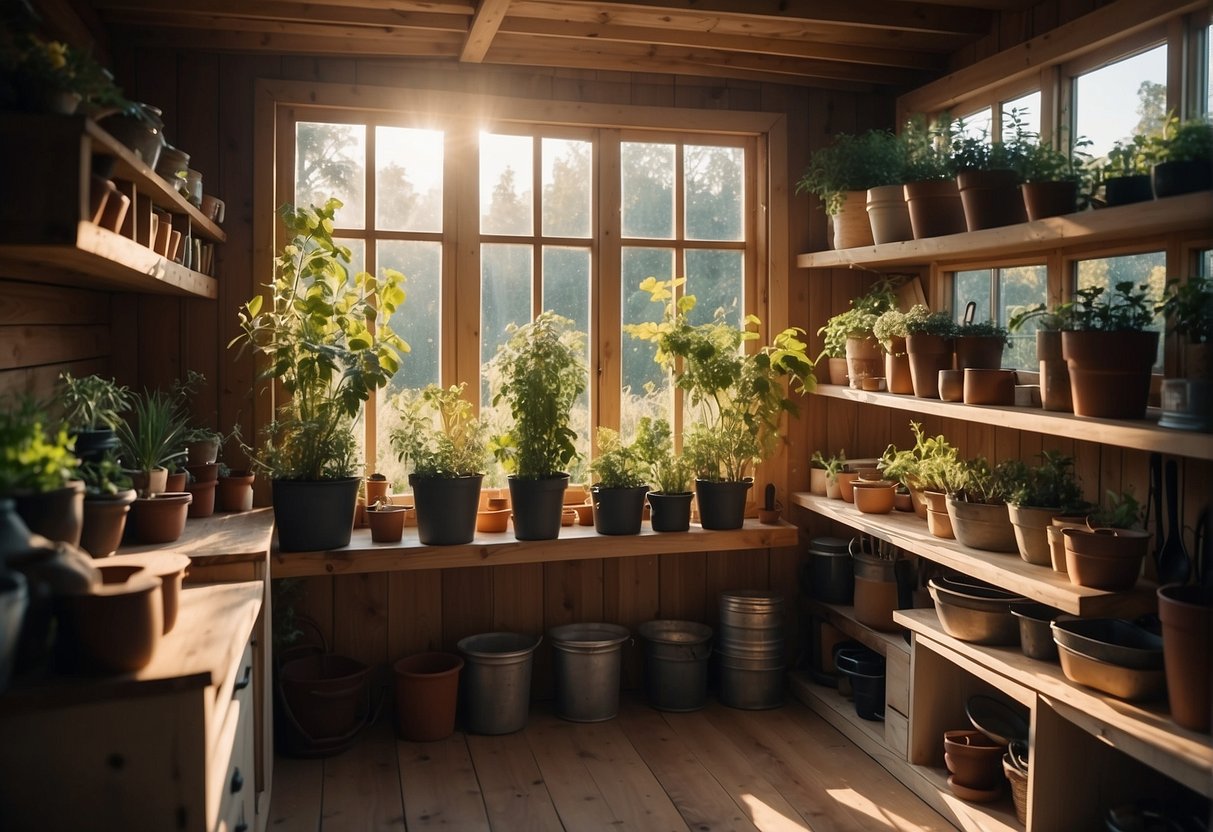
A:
{"x":1173,"y":563}
{"x":1154,"y":505}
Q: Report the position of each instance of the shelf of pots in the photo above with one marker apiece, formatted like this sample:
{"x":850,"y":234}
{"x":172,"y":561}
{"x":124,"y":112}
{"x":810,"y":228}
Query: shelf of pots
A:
{"x":327,"y":371}
{"x":541,"y":372}
{"x":737,"y":397}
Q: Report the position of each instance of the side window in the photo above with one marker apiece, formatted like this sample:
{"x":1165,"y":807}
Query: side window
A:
{"x":1137,"y":83}
{"x":998,"y":295}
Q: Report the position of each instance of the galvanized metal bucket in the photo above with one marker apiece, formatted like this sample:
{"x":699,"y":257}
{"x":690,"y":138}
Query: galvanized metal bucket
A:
{"x":676,"y":664}
{"x":585,"y":663}
{"x":496,"y":681}
{"x":751,"y":649}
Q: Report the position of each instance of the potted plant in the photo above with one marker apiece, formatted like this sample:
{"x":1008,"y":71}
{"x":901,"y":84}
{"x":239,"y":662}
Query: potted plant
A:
{"x":889,"y":330}
{"x":1041,"y":493}
{"x":668,"y":473}
{"x":1183,"y":157}
{"x":738,"y":396}
{"x":929,"y":343}
{"x":442,"y":443}
{"x":1054,"y":182}
{"x":1109,"y":553}
{"x":621,"y":484}
{"x":327,"y":340}
{"x":830,"y":469}
{"x":1125,"y":173}
{"x":542,"y":373}
{"x":108,"y":496}
{"x":386,"y":520}
{"x":840,"y":175}
{"x":977,"y":503}
{"x":92,"y":408}
{"x":39,"y":471}
{"x":987,"y":175}
{"x":979,"y":345}
{"x":853,"y":328}
{"x":1054,"y":372}
{"x":930,"y":177}
{"x":234,"y":488}
{"x":151,"y":439}
{"x":50,"y":76}
{"x":1110,"y":351}
{"x":1188,"y":308}
{"x":922,"y":469}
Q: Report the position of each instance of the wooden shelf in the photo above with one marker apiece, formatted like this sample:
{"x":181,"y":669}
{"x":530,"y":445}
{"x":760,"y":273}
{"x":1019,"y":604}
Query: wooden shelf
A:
{"x":574,"y":543}
{"x":1143,"y":434}
{"x":229,"y":537}
{"x":1144,"y":731}
{"x":1009,"y":571}
{"x":928,"y":783}
{"x":842,"y":618}
{"x":1161,"y":216}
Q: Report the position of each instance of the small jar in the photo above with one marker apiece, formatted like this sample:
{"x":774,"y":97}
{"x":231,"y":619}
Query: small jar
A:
{"x":193,"y":187}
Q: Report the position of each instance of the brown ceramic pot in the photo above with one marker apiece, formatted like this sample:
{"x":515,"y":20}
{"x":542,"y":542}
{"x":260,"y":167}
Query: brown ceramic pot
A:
{"x":897,"y":369}
{"x":175,"y":481}
{"x":235,"y":492}
{"x":376,"y":489}
{"x":170,"y":568}
{"x":160,"y":519}
{"x":1054,"y":372}
{"x":874,"y":497}
{"x":492,"y":521}
{"x":387,"y":523}
{"x":838,"y":371}
{"x":852,"y":229}
{"x":1187,"y":622}
{"x":864,"y":360}
{"x":982,"y":526}
{"x":817,"y":481}
{"x":951,"y":385}
{"x":1057,"y":543}
{"x":889,"y":215}
{"x":204,"y":471}
{"x":938,"y":522}
{"x":1030,"y":532}
{"x":1110,"y":372}
{"x":104,"y":523}
{"x":846,"y":485}
{"x":427,"y":688}
{"x":996,"y":387}
{"x":974,"y":759}
{"x":935,"y":209}
{"x":147,"y":483}
{"x":203,"y":504}
{"x":990,"y":198}
{"x":928,"y":355}
{"x":57,"y":515}
{"x":201,"y":453}
{"x":980,"y":352}
{"x":116,"y":627}
{"x":1108,"y":559}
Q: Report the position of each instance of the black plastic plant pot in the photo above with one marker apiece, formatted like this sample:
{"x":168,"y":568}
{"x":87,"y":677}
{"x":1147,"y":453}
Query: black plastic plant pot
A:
{"x":446,"y":508}
{"x":618,"y":510}
{"x":314,"y":515}
{"x":1182,"y":177}
{"x":538,"y":506}
{"x":670,"y":512}
{"x":722,"y":504}
{"x":1125,"y":190}
{"x":92,"y":445}
{"x":865,"y":668}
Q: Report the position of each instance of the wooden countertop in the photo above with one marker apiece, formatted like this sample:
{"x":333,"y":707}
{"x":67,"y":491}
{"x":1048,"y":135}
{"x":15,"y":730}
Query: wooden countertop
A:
{"x":230,"y":537}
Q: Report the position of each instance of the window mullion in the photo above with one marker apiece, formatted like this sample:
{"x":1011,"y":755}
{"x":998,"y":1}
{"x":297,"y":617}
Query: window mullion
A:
{"x":606,"y":376}
{"x":370,"y":409}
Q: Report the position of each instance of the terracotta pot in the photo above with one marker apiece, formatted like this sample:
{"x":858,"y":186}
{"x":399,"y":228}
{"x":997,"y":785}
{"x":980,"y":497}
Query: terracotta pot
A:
{"x":983,"y":352}
{"x":1031,"y":534}
{"x":974,"y":759}
{"x":1126,"y":190}
{"x":149,"y":483}
{"x":928,"y":355}
{"x":1110,"y":372}
{"x":104,"y":523}
{"x":851,"y":226}
{"x":376,"y":489}
{"x":951,"y":384}
{"x":116,"y":627}
{"x":994,"y":387}
{"x":1049,"y":199}
{"x":817,"y":481}
{"x":427,"y":688}
{"x":1054,"y":372}
{"x":160,"y":519}
{"x":982,"y":526}
{"x":387,"y":523}
{"x":235,"y":492}
{"x":1107,"y":559}
{"x":838,"y":371}
{"x":935,"y":209}
{"x":903,"y":501}
{"x":846,"y":485}
{"x":113,"y":214}
{"x":889,"y":215}
{"x":204,"y":471}
{"x":875,"y":602}
{"x":203,"y":504}
{"x":920,"y":502}
{"x":1057,"y":543}
{"x":175,"y":481}
{"x":493,"y":521}
{"x":1187,"y":621}
{"x":864,"y":360}
{"x":57,"y":515}
{"x":897,"y":369}
{"x":833,"y":488}
{"x":990,"y":198}
{"x":938,"y":522}
{"x":874,"y":497}
{"x":170,"y":568}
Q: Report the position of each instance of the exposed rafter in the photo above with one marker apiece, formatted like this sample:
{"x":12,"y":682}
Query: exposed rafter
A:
{"x":485,"y":23}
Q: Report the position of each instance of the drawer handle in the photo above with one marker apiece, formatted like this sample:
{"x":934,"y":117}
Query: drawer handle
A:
{"x":245,"y":680}
{"x":237,"y":781}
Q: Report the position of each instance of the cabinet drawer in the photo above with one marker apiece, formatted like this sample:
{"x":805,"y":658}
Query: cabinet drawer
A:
{"x":897,"y":680}
{"x":896,"y":732}
{"x":231,"y":775}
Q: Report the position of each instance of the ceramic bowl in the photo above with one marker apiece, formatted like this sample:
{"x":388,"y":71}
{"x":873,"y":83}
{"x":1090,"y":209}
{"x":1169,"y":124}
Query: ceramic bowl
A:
{"x":1111,"y":640}
{"x":1123,"y":682}
{"x":975,"y":614}
{"x":974,"y":760}
{"x":117,"y":626}
{"x":493,"y":521}
{"x":874,"y":497}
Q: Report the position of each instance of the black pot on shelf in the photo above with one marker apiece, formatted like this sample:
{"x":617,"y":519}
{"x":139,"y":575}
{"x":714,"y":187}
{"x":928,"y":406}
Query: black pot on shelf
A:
{"x":1125,"y":190}
{"x":865,"y":668}
{"x":670,"y":512}
{"x":314,"y":515}
{"x":446,"y":508}
{"x":92,"y":445}
{"x":537,"y":506}
{"x":1182,"y":177}
{"x":722,"y":504}
{"x":618,"y":510}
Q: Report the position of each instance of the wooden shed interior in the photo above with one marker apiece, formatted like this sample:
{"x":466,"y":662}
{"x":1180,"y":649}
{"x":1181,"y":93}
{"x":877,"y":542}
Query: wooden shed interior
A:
{"x":773,"y":80}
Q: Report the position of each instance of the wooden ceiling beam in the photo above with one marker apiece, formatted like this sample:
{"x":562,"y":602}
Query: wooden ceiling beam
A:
{"x":174,"y":12}
{"x":485,"y":24}
{"x":784,"y":47}
{"x":405,"y":43}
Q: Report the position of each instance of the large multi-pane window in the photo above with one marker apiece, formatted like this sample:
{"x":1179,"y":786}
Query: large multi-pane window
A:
{"x":547,"y":232}
{"x":1138,"y":83}
{"x":998,"y":294}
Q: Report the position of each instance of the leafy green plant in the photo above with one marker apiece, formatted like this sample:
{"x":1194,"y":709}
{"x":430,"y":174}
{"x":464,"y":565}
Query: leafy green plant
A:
{"x":853,"y":163}
{"x":982,"y":329}
{"x":1126,"y":158}
{"x":439,"y":434}
{"x":889,"y":325}
{"x":1053,"y":320}
{"x":1188,"y":307}
{"x":980,"y":152}
{"x":922,"y":467}
{"x":618,"y":464}
{"x":104,"y":478}
{"x":922,"y":321}
{"x":833,"y":466}
{"x":1119,"y":511}
{"x":1127,"y":308}
{"x":151,"y":436}
{"x":859,"y":320}
{"x":1190,"y":141}
{"x":327,"y":340}
{"x":668,"y":472}
{"x":738,"y":396}
{"x":542,"y":373}
{"x":34,"y":457}
{"x":1041,"y":161}
{"x":976,"y":481}
{"x":927,"y":146}
{"x":1051,"y":484}
{"x":92,"y":402}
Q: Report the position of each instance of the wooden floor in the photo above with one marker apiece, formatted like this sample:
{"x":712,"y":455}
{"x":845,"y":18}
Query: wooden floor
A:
{"x":715,"y":769}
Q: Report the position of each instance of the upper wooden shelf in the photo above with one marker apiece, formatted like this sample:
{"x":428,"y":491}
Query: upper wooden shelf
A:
{"x":1178,"y":213}
{"x":1145,"y":731}
{"x":1006,"y":570}
{"x":229,"y":537}
{"x":574,"y":543}
{"x":1144,"y":434}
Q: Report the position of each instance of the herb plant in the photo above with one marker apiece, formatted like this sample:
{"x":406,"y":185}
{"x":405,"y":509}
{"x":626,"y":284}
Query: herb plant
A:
{"x":439,"y":434}
{"x":922,"y":467}
{"x":1051,"y":484}
{"x":889,"y":325}
{"x":928,"y":148}
{"x":982,"y":329}
{"x":859,"y":320}
{"x":1119,"y":511}
{"x":104,"y":478}
{"x":922,"y":321}
{"x":1191,"y":141}
{"x":853,"y":163}
{"x":976,"y":481}
{"x":833,"y":466}
{"x":34,"y":457}
{"x":618,"y":465}
{"x":668,"y":472}
{"x":1188,"y":307}
{"x":1127,"y":308}
{"x":92,"y":402}
{"x":152,"y":435}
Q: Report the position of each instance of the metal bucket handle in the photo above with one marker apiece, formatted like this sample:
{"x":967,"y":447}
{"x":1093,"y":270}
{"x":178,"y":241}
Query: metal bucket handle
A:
{"x":370,"y":717}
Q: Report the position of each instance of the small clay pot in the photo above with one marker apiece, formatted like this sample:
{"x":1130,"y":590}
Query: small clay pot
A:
{"x":104,"y":523}
{"x":846,"y":481}
{"x":160,"y":519}
{"x":170,"y":568}
{"x":939,"y":524}
{"x":833,"y":488}
{"x":175,"y":481}
{"x":585,"y":514}
{"x":235,"y":492}
{"x":769,"y":516}
{"x":492,"y":521}
{"x":817,"y":481}
{"x":497,"y":503}
{"x":377,"y":488}
{"x":974,"y":759}
{"x":903,"y":501}
{"x":204,"y":471}
{"x":874,"y":497}
{"x":387,"y":523}
{"x":1057,"y":543}
{"x":951,"y":385}
{"x":984,"y":386}
{"x":116,"y":627}
{"x":200,"y":453}
{"x":203,"y":504}
{"x":1108,"y":559}
{"x":1187,"y":621}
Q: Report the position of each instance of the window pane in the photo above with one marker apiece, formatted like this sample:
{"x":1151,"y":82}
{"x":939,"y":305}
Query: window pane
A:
{"x":1142,"y":76}
{"x":408,"y":179}
{"x":1028,"y":109}
{"x":505,"y":184}
{"x":977,"y":125}
{"x":505,"y":298}
{"x":717,"y":280}
{"x":648,"y":190}
{"x":646,"y":388}
{"x":1019,"y":288}
{"x":330,"y":161}
{"x":357,"y":249}
{"x":1149,"y":267}
{"x":715,"y":198}
{"x":1208,"y":69}
{"x":972,"y":286}
{"x":567,"y":187}
{"x":566,"y":291}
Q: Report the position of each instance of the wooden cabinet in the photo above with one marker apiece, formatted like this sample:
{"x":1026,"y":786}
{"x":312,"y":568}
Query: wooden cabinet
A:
{"x":169,"y":747}
{"x":1089,"y":751}
{"x":46,"y":235}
